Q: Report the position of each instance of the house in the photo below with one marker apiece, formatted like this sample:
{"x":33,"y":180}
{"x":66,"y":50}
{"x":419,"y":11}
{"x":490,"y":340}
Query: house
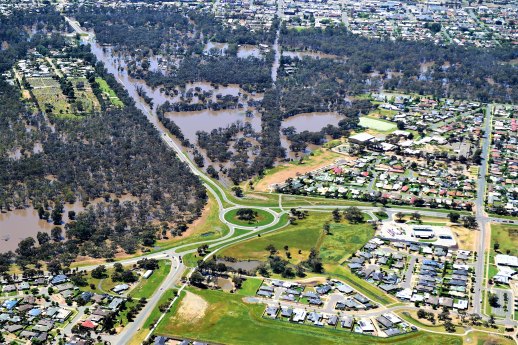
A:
{"x":88,"y":324}
{"x":24,"y":286}
{"x":271,"y":311}
{"x":384,"y":322}
{"x":58,"y":279}
{"x":286,"y":312}
{"x":160,"y":340}
{"x":322,"y":290}
{"x":365,"y":325}
{"x":446,"y":302}
{"x":361,"y":138}
{"x":120,"y":288}
{"x":115,"y":303}
{"x":347,"y":321}
{"x":299,"y":315}
{"x":360,"y":298}
{"x":332,"y":320}
{"x":345,"y":289}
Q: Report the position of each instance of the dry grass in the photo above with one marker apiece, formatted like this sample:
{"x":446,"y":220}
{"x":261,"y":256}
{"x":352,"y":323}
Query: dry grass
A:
{"x":282,"y":172}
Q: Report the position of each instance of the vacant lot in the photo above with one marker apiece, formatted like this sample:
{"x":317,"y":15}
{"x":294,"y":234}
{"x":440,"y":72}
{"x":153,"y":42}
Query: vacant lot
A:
{"x":228,"y":320}
{"x":146,"y":287}
{"x":377,"y":124}
{"x":342,"y":240}
{"x":108,"y":92}
{"x":281,"y":173}
{"x":507,"y":238}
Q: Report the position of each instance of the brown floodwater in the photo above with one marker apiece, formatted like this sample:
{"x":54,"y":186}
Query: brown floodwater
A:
{"x":17,"y":225}
{"x":312,"y":54}
{"x":189,"y":121}
{"x":248,"y":50}
{"x":312,"y":122}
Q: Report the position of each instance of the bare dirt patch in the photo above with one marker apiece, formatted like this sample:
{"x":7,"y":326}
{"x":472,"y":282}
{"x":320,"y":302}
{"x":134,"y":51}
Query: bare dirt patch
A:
{"x":192,"y":308}
{"x":285,"y":171}
{"x":465,"y":237}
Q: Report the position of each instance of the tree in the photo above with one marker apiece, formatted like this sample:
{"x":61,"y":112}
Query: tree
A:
{"x":238,"y":191}
{"x":247,"y":214}
{"x":271,"y":248}
{"x":327,"y":228}
{"x":42,"y":237}
{"x":353,"y":215}
{"x":469,"y":222}
{"x":118,"y":267}
{"x":493,"y":300}
{"x":99,"y":272}
{"x":454,"y":217}
{"x":196,"y":278}
{"x":56,"y":233}
{"x":336,"y":216}
{"x":449,"y":326}
{"x":416,"y":216}
{"x":421,"y":313}
{"x":400,"y":216}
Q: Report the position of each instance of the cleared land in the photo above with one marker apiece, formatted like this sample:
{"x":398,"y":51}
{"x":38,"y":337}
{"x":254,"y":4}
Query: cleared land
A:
{"x":108,"y":92}
{"x":281,"y":173}
{"x":342,"y":241}
{"x":207,"y":227}
{"x":377,"y":124}
{"x":507,"y":238}
{"x":229,"y":320}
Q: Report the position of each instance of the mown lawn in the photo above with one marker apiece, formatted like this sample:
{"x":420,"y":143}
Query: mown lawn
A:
{"x":146,"y":287}
{"x":228,"y":320}
{"x":302,"y":236}
{"x":343,"y":240}
{"x":107,"y":90}
{"x":262,"y":218}
{"x":250,"y":287}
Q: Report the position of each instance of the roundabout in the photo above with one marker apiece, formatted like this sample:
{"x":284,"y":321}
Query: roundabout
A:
{"x":249,"y":216}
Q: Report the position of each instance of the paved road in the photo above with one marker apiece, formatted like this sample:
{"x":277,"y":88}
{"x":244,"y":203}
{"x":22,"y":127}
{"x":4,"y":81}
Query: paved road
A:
{"x":483,"y":220}
{"x":409,"y":272}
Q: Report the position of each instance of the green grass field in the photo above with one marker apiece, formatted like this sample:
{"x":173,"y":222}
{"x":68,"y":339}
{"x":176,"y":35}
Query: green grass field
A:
{"x":377,"y":124}
{"x":263,"y":218}
{"x":146,"y":287}
{"x":108,"y":92}
{"x":250,"y":287}
{"x":506,"y":236}
{"x":228,"y":320}
{"x":343,"y":240}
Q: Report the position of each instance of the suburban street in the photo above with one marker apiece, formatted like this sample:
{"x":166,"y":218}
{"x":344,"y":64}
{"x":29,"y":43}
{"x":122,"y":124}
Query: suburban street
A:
{"x":484,"y":222}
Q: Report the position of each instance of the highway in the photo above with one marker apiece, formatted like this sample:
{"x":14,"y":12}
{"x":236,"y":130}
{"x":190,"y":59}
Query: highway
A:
{"x":174,"y":254}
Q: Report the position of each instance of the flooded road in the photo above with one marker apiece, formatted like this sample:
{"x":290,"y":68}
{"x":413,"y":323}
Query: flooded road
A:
{"x":189,"y":121}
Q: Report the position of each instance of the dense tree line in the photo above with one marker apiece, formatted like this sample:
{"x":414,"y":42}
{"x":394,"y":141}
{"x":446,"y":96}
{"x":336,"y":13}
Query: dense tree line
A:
{"x":458,"y":72}
{"x":112,"y":152}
